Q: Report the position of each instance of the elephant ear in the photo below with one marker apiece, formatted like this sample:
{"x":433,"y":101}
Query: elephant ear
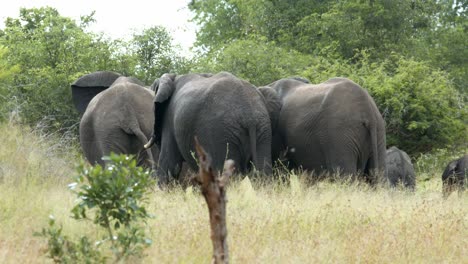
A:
{"x":155,"y":85}
{"x":163,"y":87}
{"x":273,"y":104}
{"x":89,"y":85}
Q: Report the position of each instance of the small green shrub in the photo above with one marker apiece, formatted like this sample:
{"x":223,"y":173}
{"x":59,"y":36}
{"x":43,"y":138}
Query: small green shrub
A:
{"x":63,"y":250}
{"x":113,"y":197}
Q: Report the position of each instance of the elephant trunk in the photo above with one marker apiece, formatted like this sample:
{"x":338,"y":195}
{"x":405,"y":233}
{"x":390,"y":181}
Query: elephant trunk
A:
{"x":150,"y":142}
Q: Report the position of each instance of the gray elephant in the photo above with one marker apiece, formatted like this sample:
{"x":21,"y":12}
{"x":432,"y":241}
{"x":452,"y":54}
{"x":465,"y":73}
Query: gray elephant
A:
{"x":229,"y":116}
{"x":400,"y":170}
{"x":334,"y":127}
{"x":455,"y":175}
{"x":117,"y":116}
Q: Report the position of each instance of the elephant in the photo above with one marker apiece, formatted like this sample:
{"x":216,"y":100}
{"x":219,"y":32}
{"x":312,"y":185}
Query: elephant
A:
{"x":455,"y":175}
{"x":229,"y":117}
{"x":333,"y":127}
{"x":117,"y":116}
{"x":400,"y":169}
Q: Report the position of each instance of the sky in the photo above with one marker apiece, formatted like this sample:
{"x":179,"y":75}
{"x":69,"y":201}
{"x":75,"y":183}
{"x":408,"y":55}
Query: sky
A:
{"x":118,"y":19}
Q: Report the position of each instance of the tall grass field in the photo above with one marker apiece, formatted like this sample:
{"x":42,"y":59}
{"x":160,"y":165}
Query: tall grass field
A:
{"x":268,"y":221}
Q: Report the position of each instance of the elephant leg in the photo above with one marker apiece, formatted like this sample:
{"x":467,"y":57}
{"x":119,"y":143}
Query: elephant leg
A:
{"x":89,"y":143}
{"x":233,"y":153}
{"x":219,"y":152}
{"x":264,"y":157}
{"x":92,"y":152}
{"x":346,"y":150}
{"x":373,"y":175}
{"x":155,"y":152}
{"x":342,"y":162}
{"x":170,"y":161}
{"x":113,"y":139}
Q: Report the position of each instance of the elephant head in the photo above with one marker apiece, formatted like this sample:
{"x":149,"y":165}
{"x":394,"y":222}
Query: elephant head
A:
{"x":163,"y":88}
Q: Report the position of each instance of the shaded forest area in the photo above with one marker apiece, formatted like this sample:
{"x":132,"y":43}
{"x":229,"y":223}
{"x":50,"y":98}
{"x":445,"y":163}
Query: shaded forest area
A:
{"x":411,"y":56}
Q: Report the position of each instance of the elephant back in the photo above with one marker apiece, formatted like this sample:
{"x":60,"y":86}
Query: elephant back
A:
{"x":131,"y":79}
{"x":89,"y":85}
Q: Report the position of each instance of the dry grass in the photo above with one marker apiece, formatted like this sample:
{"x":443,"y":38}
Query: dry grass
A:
{"x":267,"y":222}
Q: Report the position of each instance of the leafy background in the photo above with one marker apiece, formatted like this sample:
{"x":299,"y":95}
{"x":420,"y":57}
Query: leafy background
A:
{"x":410,"y":55}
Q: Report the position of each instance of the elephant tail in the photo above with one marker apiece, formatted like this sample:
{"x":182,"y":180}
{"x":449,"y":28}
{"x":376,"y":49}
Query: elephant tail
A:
{"x":253,"y":145}
{"x":374,"y":164}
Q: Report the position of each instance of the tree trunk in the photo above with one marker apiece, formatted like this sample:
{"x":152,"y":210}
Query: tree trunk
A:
{"x":213,"y":189}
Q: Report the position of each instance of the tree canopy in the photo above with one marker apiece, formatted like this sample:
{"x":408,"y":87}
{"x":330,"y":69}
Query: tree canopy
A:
{"x":42,"y":53}
{"x":410,"y":55}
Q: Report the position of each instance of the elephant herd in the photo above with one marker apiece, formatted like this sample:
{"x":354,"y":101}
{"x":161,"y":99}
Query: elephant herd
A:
{"x":332,"y":127}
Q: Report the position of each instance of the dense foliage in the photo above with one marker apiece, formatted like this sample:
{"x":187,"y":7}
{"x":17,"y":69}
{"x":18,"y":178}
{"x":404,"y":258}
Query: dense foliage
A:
{"x":42,"y":53}
{"x":410,"y":55}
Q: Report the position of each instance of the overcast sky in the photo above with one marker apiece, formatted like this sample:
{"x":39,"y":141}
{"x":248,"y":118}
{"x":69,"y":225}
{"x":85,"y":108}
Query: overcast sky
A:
{"x":118,"y":18}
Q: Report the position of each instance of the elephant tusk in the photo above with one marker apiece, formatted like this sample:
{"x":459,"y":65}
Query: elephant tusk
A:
{"x":150,"y":143}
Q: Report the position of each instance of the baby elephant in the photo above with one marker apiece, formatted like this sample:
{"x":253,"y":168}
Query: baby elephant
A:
{"x":454,"y":176}
{"x":400,"y":169}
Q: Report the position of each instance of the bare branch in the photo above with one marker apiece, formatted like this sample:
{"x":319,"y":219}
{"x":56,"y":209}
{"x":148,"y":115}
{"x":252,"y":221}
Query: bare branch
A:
{"x":213,"y":189}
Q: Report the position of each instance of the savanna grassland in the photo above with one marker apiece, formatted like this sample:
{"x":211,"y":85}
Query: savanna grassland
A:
{"x":409,"y":55}
{"x":268,"y":221}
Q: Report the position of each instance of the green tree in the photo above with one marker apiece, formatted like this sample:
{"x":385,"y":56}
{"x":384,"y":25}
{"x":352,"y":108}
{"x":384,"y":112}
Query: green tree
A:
{"x":445,"y":45}
{"x":378,"y":26}
{"x":153,"y":54}
{"x":219,"y":22}
{"x":310,"y":26}
{"x":7,"y":71}
{"x":153,"y":51}
{"x":51,"y":51}
{"x":410,"y":55}
{"x":257,"y":61}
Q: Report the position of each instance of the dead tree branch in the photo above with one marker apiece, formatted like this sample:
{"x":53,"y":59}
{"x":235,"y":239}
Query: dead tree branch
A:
{"x":213,"y":189}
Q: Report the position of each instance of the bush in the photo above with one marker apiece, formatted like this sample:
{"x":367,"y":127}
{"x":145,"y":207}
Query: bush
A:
{"x":7,"y":71}
{"x":113,"y":197}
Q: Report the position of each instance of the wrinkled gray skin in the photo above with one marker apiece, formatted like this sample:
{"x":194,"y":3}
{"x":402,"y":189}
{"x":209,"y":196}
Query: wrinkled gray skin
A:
{"x":334,"y":127}
{"x":400,"y":170}
{"x":455,"y":175}
{"x":229,"y":117}
{"x":118,"y":118}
